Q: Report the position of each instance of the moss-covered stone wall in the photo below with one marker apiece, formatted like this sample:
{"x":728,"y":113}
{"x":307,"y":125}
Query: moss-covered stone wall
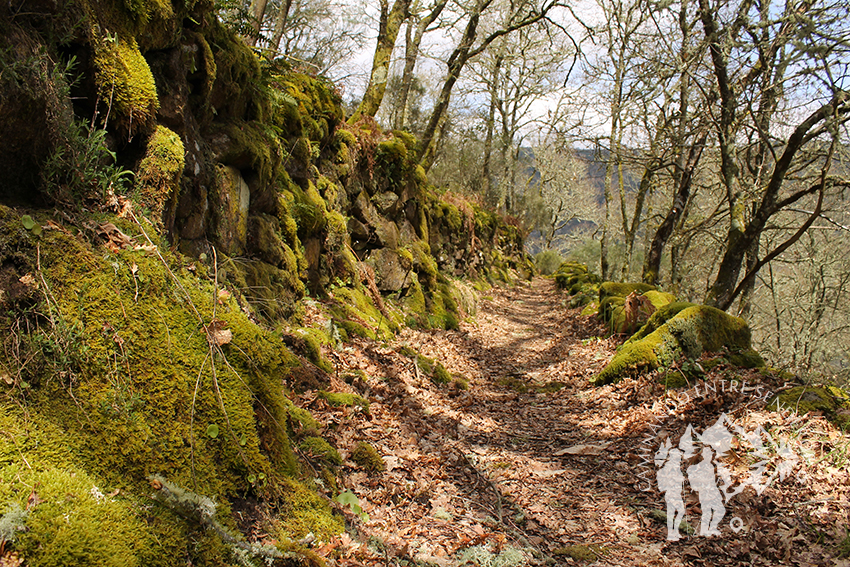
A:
{"x":171,"y":204}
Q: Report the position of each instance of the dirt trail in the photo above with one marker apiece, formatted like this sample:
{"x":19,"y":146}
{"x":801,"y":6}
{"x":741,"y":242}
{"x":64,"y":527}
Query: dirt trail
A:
{"x":529,"y":457}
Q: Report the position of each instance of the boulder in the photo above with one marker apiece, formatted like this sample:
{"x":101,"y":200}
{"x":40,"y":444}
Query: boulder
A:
{"x":390,"y":271}
{"x":385,"y":231}
{"x":230,"y":205}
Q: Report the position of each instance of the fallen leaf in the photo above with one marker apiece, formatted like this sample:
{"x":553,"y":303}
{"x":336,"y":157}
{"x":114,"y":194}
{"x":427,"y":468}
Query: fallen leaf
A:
{"x":581,"y":450}
{"x":33,"y":500}
{"x":217,"y":334}
{"x":115,"y":240}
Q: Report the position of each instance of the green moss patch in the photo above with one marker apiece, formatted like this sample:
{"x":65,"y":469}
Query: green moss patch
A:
{"x":318,"y":448}
{"x":368,"y":458}
{"x":125,"y":83}
{"x":160,"y":170}
{"x":832,"y":402}
{"x":344,"y":399}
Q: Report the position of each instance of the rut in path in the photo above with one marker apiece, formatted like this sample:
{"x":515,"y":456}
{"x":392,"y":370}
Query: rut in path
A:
{"x":529,"y":456}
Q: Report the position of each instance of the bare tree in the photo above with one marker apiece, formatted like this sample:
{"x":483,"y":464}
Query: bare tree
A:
{"x":772,"y":157}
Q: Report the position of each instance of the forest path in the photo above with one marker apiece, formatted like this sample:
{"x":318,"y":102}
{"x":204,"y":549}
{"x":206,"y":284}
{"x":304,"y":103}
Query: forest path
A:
{"x":530,"y":456}
{"x":532,"y":465}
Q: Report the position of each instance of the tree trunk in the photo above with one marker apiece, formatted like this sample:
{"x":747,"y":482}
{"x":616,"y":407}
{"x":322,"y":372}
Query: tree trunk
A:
{"x":280,"y":23}
{"x":411,"y":54}
{"x":258,"y":11}
{"x":391,"y":21}
{"x":491,"y":124}
{"x":683,"y":181}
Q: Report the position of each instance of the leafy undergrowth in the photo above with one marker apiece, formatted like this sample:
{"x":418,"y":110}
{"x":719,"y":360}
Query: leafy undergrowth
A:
{"x":531,"y":465}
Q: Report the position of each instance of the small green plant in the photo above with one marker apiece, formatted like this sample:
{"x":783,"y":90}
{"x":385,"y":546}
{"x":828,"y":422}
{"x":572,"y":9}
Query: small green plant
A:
{"x":31,"y":225}
{"x":83,"y":169}
{"x":350,"y":499}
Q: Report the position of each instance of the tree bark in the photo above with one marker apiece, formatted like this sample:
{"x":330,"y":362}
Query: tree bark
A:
{"x":258,"y":11}
{"x":411,"y":54}
{"x":391,"y":20}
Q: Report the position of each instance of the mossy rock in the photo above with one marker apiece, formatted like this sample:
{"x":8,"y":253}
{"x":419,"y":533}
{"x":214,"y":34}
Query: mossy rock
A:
{"x":615,"y":289}
{"x":690,"y":332}
{"x":832,"y":402}
{"x":609,"y":305}
{"x":576,"y":278}
{"x":661,"y":316}
{"x":659,"y":298}
{"x":127,"y":384}
{"x":591,"y":308}
{"x":368,"y":458}
{"x":158,"y":177}
{"x":125,"y":82}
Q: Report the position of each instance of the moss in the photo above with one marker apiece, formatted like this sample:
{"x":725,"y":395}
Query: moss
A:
{"x":314,"y":338}
{"x":441,"y":376}
{"x":609,"y":289}
{"x":392,"y":159}
{"x":580,"y":552}
{"x":310,"y":211}
{"x":830,"y":401}
{"x":368,"y":458}
{"x":345,"y":400}
{"x":303,"y":512}
{"x":550,"y":387}
{"x":318,"y":105}
{"x":125,"y":83}
{"x":690,"y":332}
{"x":159,"y":173}
{"x":353,"y":310}
{"x":318,"y":448}
{"x":237,"y":91}
{"x":660,"y":317}
{"x":138,"y":390}
{"x":746,"y":359}
{"x":426,"y":365}
{"x":513,"y":383}
{"x":300,"y":417}
{"x":251,"y":144}
{"x":659,"y":298}
{"x":590,"y":309}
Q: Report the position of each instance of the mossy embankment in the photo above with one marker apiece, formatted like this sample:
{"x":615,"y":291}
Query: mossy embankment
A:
{"x":173,"y":203}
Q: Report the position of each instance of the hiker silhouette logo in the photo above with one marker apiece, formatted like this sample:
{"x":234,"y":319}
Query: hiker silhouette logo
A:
{"x":697,"y":461}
